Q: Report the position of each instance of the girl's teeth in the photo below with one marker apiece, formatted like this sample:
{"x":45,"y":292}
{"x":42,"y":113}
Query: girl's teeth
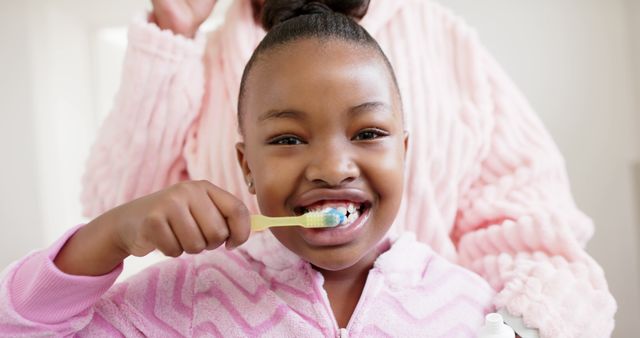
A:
{"x":350,"y":208}
{"x":352,"y":217}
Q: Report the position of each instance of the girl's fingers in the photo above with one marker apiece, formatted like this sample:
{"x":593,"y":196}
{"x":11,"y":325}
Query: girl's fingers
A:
{"x":212,"y":225}
{"x":186,"y":230}
{"x":164,"y":239}
{"x":234,"y":211}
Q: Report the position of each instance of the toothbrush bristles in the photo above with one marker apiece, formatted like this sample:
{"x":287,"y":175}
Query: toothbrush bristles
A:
{"x":331,"y":219}
{"x":325,"y":219}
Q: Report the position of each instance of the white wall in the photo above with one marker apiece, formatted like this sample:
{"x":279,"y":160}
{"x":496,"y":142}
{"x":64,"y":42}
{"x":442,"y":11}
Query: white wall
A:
{"x":70,"y":61}
{"x":574,"y":62}
{"x":634,"y":20}
{"x":20,"y":212}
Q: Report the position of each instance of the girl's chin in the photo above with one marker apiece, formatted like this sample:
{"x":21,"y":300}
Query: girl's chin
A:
{"x":355,"y":257}
{"x":327,"y":265}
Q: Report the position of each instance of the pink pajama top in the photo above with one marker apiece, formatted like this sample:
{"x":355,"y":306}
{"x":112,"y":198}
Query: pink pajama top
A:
{"x":486,"y":186}
{"x":258,"y":290}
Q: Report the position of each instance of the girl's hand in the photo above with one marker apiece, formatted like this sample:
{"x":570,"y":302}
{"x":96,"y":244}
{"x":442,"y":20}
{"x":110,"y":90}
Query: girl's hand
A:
{"x":187,"y":217}
{"x":183,"y":17}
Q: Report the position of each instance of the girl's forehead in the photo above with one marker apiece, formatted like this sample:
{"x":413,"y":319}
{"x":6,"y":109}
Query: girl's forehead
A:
{"x":310,"y":72}
{"x":326,"y":50}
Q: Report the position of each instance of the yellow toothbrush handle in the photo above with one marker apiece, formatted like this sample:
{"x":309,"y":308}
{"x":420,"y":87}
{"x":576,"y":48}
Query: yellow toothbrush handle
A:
{"x":260,"y":222}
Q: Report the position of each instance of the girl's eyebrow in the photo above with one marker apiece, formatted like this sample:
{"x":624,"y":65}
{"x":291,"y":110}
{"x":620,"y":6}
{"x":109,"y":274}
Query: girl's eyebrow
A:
{"x":370,"y":106}
{"x":300,"y":115}
{"x":283,"y":114}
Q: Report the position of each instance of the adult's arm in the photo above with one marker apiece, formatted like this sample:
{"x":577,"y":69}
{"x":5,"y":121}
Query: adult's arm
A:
{"x":518,"y":225}
{"x":139,"y":147}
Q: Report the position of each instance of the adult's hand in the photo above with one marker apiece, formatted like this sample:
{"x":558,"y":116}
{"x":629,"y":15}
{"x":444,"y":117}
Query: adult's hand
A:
{"x":183,"y":17}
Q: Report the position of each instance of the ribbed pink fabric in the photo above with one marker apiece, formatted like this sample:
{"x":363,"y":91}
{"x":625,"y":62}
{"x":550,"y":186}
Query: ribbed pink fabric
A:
{"x":486,"y":185}
{"x":261,"y":289}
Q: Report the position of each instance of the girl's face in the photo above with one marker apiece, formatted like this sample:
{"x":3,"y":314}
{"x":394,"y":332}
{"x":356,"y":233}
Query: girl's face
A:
{"x":323,"y":127}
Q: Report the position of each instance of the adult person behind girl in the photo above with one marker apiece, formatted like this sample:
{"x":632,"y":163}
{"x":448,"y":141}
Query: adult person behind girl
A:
{"x":483,"y":175}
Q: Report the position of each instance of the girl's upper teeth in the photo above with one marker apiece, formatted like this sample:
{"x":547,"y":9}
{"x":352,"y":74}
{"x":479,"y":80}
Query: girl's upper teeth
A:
{"x":349,"y":210}
{"x":342,"y":208}
{"x":322,"y":206}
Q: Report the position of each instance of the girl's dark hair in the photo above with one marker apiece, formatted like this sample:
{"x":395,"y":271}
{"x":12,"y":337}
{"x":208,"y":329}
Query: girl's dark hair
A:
{"x":290,"y":20}
{"x":278,"y":11}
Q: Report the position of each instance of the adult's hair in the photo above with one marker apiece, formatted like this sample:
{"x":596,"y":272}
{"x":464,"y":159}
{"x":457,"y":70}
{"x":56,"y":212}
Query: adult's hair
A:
{"x":286,"y":21}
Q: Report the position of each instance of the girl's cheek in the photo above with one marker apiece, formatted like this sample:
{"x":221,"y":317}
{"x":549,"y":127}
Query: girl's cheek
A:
{"x":276,"y":187}
{"x":388,"y":175}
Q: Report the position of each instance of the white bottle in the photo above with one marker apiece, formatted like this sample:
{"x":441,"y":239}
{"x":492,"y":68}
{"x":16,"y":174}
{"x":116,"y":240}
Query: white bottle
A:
{"x":494,"y":327}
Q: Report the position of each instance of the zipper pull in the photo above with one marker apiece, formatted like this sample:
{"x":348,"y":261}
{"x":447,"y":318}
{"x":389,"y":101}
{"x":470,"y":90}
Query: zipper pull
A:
{"x":344,"y":333}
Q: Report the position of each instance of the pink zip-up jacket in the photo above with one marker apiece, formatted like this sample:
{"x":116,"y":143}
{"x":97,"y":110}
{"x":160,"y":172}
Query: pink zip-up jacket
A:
{"x":486,"y":186}
{"x":261,"y":289}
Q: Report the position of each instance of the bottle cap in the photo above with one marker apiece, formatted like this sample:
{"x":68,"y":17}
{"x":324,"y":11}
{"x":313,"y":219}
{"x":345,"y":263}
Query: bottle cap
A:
{"x":494,"y":327}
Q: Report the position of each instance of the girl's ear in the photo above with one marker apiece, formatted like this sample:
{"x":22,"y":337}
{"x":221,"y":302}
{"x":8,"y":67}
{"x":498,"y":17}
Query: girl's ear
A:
{"x":246,"y":172}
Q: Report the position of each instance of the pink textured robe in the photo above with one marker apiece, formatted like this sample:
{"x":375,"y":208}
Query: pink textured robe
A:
{"x":259,"y":290}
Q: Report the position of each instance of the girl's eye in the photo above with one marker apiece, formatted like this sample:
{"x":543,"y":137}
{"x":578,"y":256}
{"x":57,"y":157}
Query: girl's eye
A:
{"x":286,"y":140}
{"x":370,"y":134}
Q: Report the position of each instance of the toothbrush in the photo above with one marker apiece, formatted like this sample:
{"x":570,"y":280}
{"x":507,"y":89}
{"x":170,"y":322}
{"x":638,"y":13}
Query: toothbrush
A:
{"x":320,"y":219}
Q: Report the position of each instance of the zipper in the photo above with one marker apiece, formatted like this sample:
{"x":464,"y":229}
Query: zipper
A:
{"x":371,"y":282}
{"x":371,"y":285}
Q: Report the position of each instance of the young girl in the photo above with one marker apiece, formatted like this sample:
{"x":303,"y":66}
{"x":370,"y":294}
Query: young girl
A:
{"x":322,"y":125}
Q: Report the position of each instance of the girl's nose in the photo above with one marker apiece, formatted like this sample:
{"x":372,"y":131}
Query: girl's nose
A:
{"x":332,"y":166}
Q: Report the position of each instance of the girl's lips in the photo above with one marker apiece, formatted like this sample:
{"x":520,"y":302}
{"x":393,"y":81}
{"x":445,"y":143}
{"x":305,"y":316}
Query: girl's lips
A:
{"x":316,"y":196}
{"x":336,"y":236}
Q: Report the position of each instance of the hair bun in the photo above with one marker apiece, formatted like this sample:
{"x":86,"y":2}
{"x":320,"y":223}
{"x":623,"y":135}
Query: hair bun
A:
{"x":276,"y":12}
{"x":314,"y":7}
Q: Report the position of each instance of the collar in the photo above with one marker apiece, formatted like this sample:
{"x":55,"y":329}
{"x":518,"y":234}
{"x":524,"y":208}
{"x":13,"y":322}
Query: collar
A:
{"x":404,"y":264}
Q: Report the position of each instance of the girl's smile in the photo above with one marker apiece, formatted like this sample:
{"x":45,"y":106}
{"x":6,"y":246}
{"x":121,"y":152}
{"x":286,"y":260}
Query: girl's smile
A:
{"x":354,"y":203}
{"x":325,"y":131}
